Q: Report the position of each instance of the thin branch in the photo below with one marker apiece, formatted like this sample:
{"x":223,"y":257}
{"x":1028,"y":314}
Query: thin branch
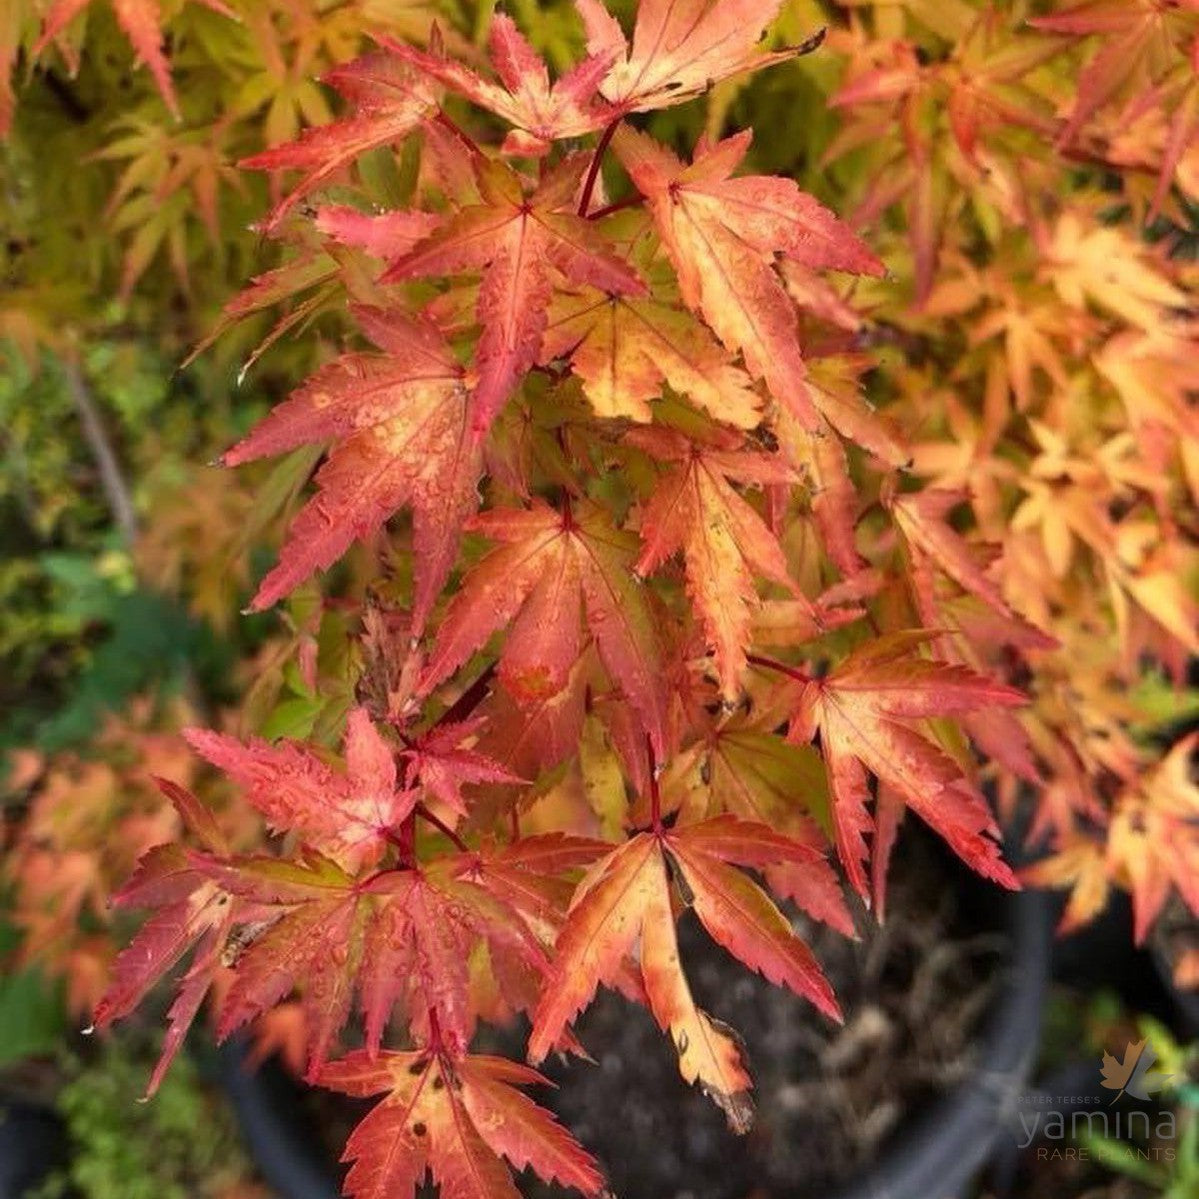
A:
{"x":619,"y":206}
{"x":469,"y":700}
{"x":792,"y":672}
{"x":447,"y":122}
{"x":596,"y":161}
{"x":116,"y":490}
{"x":441,"y":826}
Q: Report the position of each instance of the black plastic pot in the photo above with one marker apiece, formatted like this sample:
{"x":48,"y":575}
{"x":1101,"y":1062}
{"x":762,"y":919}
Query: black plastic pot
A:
{"x":265,"y":1102}
{"x":934,"y":1156}
{"x":937,"y":1153}
{"x":33,"y":1143}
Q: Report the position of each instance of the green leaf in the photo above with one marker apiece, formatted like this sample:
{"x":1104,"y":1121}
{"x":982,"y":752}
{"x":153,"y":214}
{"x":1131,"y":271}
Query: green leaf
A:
{"x":32,"y":1019}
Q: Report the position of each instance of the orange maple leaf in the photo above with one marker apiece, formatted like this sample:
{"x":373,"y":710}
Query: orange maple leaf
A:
{"x":722,"y":235}
{"x":626,"y":896}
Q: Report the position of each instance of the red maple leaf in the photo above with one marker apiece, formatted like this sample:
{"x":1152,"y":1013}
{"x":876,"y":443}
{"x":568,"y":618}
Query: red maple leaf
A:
{"x":399,"y":421}
{"x":398,"y":937}
{"x":454,"y":1117}
{"x":193,"y":914}
{"x":865,"y":712}
{"x":524,"y":95}
{"x":141,"y":21}
{"x":551,"y":564}
{"x":348,"y":817}
{"x":389,"y":102}
{"x":681,"y":48}
{"x":522,"y":244}
{"x":726,"y":545}
{"x":443,"y":763}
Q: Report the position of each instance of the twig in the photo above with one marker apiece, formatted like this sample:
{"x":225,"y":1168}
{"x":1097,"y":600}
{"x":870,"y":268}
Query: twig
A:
{"x":619,"y":206}
{"x":469,"y":700}
{"x":792,"y":672}
{"x":116,"y":490}
{"x":441,"y":826}
{"x":448,"y":123}
{"x":596,"y":160}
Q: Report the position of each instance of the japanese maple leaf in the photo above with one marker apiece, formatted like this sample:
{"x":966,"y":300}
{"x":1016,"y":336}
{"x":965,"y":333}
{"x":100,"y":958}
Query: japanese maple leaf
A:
{"x":742,"y":766}
{"x":626,"y":896}
{"x":348,"y":817}
{"x":1153,"y":843}
{"x":443,"y":763}
{"x":1155,"y":374}
{"x":193,"y":913}
{"x":532,"y":735}
{"x":922,"y":519}
{"x":382,"y":235}
{"x":624,"y":348}
{"x":529,"y":875}
{"x":819,"y":454}
{"x":1138,"y":35}
{"x":309,"y":926}
{"x":550,"y":566}
{"x":1077,"y":864}
{"x":864,"y":712}
{"x":971,"y":626}
{"x":521,"y":244}
{"x":1105,"y":265}
{"x":722,"y":235}
{"x":440,"y":915}
{"x":726,"y":545}
{"x":141,"y":21}
{"x":681,"y":47}
{"x":819,"y":457}
{"x":12,"y":30}
{"x":399,"y":424}
{"x":524,"y":95}
{"x":453,"y":1117}
{"x":398,"y":937}
{"x":389,"y":102}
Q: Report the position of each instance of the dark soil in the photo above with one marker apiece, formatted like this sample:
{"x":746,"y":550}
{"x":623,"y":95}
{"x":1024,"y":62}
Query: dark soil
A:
{"x":1071,"y":1176}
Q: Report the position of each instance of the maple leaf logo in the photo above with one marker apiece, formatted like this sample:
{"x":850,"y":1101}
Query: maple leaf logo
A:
{"x":1133,"y":1075}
